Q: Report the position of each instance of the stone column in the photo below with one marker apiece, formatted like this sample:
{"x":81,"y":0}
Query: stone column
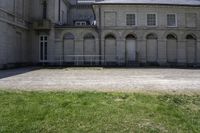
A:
{"x":97,"y":53}
{"x":102,"y":45}
{"x":51,"y":46}
{"x":198,"y":52}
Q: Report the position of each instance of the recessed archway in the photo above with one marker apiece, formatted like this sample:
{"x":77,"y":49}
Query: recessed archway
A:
{"x":191,"y":51}
{"x":110,"y":49}
{"x":152,"y":48}
{"x":89,"y":48}
{"x":130,"y":49}
{"x":68,"y":48}
{"x":171,"y":48}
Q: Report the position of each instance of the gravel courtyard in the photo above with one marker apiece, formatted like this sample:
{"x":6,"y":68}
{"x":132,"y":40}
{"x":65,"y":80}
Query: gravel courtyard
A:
{"x":102,"y":79}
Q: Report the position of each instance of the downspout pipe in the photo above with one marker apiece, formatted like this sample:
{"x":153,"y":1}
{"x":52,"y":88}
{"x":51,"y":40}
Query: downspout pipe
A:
{"x":100,"y":33}
{"x":59,"y":10}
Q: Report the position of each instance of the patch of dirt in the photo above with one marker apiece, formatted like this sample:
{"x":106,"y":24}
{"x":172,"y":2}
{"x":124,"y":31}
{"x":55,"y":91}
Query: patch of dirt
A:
{"x":102,"y":79}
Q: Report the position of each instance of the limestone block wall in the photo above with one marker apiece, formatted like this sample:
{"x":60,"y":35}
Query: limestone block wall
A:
{"x":79,"y":38}
{"x":14,"y":46}
{"x":115,"y":15}
{"x":142,"y":45}
{"x":36,"y":10}
{"x":111,"y":20}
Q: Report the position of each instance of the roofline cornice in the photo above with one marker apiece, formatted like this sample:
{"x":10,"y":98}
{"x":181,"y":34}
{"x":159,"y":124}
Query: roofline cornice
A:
{"x":146,"y":4}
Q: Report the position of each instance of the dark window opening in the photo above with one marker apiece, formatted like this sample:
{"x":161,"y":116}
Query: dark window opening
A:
{"x":44,"y":10}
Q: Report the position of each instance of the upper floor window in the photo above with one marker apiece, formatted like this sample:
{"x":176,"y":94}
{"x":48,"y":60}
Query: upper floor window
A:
{"x":171,"y":20}
{"x":151,"y":20}
{"x":80,"y":23}
{"x":130,"y":19}
{"x":44,"y":6}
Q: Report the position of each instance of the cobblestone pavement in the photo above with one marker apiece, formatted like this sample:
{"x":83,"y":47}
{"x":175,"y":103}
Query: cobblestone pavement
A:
{"x":102,"y":79}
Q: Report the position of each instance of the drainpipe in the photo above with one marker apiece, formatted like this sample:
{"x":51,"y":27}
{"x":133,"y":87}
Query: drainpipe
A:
{"x":59,"y":10}
{"x":100,"y":31}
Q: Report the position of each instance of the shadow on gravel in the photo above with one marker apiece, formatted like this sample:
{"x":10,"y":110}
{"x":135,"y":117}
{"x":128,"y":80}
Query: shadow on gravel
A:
{"x":16,"y":71}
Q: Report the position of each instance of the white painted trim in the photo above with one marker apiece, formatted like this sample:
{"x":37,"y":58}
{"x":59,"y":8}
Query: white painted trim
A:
{"x":156,"y":19}
{"x":176,"y":20}
{"x":43,"y":48}
{"x":136,"y":19}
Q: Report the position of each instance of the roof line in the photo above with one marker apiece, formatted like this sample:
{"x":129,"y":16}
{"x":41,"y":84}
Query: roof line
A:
{"x":146,"y":4}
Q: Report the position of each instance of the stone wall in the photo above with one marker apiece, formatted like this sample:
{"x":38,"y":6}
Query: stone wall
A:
{"x":14,"y":47}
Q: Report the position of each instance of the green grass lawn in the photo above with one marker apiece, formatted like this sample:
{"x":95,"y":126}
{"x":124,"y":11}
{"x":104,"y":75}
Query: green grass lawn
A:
{"x":71,"y":112}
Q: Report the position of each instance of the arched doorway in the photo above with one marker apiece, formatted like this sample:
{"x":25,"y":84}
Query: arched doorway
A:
{"x":110,"y":49}
{"x":89,"y":49}
{"x":69,"y":48}
{"x":152,"y":48}
{"x":130,"y":52}
{"x":171,"y":48}
{"x":191,"y":48}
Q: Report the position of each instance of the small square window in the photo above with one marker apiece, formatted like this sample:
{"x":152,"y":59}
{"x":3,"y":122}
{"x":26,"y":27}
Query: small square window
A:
{"x":130,"y":19}
{"x":151,"y":19}
{"x":171,"y":20}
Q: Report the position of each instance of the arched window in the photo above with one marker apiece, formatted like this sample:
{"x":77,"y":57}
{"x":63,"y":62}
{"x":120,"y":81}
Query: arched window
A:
{"x":68,"y":48}
{"x":191,"y":37}
{"x":110,"y":36}
{"x":191,"y":50}
{"x":130,"y":49}
{"x":152,"y":48}
{"x":110,"y":49}
{"x":152,"y":36}
{"x":89,"y":36}
{"x":171,"y":48}
{"x":89,"y":48}
{"x":171,"y":36}
{"x":130,"y":36}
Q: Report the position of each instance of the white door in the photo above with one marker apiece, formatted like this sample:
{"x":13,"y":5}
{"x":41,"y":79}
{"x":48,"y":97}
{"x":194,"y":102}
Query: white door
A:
{"x":68,"y":50}
{"x":151,"y":50}
{"x":171,"y":50}
{"x":89,"y":50}
{"x":130,"y":50}
{"x":190,"y":49}
{"x":110,"y":50}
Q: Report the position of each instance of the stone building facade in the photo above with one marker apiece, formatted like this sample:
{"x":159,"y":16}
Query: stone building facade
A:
{"x":100,"y":33}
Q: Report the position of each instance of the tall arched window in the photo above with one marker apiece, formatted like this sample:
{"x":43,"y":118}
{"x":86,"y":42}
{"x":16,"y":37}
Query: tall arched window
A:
{"x":152,"y":48}
{"x":130,"y":49}
{"x":191,"y":48}
{"x":171,"y":48}
{"x":89,"y":48}
{"x":110,"y":49}
{"x":68,"y":48}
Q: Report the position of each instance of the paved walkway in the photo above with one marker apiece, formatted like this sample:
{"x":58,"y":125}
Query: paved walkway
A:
{"x":99,"y":79}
